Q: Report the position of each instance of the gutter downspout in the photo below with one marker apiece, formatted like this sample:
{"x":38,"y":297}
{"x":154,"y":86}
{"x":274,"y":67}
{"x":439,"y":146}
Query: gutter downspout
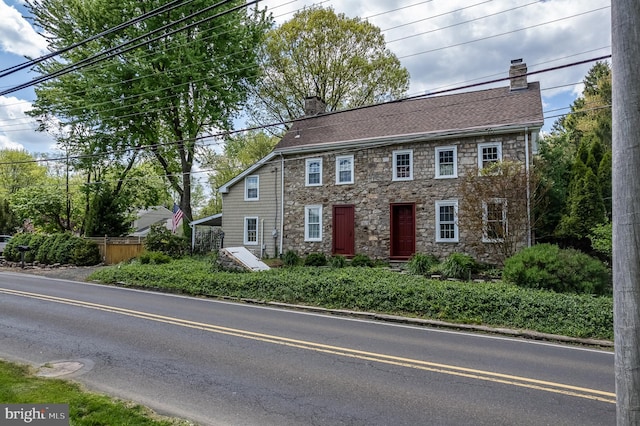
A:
{"x":526,"y":156}
{"x":281,"y":201}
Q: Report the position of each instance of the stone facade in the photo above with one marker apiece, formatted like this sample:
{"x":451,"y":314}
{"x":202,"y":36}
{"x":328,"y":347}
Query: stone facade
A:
{"x":374,"y":192}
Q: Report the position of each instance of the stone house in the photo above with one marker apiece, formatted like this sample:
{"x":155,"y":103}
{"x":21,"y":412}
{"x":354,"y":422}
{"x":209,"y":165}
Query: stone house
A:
{"x":381,"y":180}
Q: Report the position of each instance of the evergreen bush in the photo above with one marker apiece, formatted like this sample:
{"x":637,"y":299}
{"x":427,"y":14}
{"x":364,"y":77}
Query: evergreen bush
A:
{"x":362,"y":260}
{"x":291,"y":258}
{"x":315,"y":259}
{"x":337,"y":261}
{"x":85,"y":252}
{"x":546,"y":266}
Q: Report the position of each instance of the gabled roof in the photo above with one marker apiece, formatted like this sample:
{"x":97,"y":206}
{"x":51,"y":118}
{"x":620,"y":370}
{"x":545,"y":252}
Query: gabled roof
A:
{"x":491,"y":109}
{"x":213,"y":220}
{"x":495,"y":110}
{"x":225,"y":188}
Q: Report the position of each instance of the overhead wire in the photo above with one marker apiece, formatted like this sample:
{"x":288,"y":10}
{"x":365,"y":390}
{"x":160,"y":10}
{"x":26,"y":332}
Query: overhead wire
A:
{"x":223,"y":133}
{"x":260,"y":127}
{"x":166,"y":97}
{"x":501,"y":34}
{"x":114,"y":50}
{"x":162,"y":9}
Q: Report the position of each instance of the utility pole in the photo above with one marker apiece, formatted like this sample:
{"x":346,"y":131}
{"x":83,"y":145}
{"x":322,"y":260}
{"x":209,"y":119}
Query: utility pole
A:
{"x":625,"y":26}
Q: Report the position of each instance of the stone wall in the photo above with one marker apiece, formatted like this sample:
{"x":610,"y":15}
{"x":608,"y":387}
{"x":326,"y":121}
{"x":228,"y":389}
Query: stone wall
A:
{"x":374,"y":191}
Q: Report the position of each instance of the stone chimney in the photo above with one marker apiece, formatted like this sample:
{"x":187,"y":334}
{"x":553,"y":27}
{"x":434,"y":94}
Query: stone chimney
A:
{"x":314,"y":105}
{"x":518,"y":75}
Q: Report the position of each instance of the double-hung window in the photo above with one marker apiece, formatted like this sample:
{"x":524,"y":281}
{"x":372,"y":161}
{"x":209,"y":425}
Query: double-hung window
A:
{"x":494,"y":220}
{"x":251,"y":188}
{"x":489,"y":153}
{"x":251,"y":230}
{"x":344,"y":169}
{"x":313,"y":172}
{"x":447,"y":221}
{"x":403,"y":165}
{"x":446,"y":162}
{"x":313,"y":223}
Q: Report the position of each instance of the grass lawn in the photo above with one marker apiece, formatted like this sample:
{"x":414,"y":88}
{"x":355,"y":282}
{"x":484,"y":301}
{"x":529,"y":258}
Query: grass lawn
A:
{"x":21,"y":386}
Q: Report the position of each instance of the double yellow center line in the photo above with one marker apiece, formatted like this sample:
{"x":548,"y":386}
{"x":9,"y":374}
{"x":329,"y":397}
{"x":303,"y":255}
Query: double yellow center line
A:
{"x":507,"y":379}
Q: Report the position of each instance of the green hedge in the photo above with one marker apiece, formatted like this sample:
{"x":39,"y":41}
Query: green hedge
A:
{"x":64,"y":248}
{"x":380,"y":290}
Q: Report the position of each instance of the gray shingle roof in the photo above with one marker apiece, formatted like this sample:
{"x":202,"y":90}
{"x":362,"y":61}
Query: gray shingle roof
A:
{"x":457,"y":113}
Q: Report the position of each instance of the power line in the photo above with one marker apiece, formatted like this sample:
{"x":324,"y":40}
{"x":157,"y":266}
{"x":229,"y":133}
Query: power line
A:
{"x":281,"y":123}
{"x":111,"y":52}
{"x":501,"y":34}
{"x":164,"y":8}
{"x":129,"y":106}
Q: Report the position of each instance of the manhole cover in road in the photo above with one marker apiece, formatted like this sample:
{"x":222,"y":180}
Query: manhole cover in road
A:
{"x":57,"y":369}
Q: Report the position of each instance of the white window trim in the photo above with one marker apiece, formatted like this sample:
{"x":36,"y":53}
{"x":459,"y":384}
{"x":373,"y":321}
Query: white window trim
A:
{"x":306,"y":171}
{"x":485,"y":217}
{"x":246,"y":231}
{"x":394,"y":165}
{"x":455,"y":161}
{"x":246,"y":188}
{"x":481,"y":146}
{"x":353,"y":167}
{"x":443,"y":203}
{"x":306,"y":222}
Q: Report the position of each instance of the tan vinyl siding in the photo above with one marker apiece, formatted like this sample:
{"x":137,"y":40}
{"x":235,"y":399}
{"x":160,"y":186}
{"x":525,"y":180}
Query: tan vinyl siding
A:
{"x":267,"y":209}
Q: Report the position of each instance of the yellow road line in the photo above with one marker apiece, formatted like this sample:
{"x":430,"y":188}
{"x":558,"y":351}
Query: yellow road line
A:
{"x":525,"y":382}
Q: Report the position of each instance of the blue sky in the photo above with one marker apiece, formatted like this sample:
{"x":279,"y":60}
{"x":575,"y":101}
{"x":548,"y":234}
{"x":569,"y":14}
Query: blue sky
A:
{"x":443,"y":44}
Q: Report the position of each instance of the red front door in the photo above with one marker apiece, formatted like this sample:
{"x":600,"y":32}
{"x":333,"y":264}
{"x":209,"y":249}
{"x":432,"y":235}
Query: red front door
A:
{"x":343,"y":230}
{"x":403,"y":230}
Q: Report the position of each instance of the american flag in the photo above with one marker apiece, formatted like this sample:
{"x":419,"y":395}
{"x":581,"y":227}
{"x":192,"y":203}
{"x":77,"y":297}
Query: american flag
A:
{"x":177,"y":217}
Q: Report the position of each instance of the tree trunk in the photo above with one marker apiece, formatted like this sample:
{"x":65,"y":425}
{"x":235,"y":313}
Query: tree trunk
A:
{"x":625,"y":17}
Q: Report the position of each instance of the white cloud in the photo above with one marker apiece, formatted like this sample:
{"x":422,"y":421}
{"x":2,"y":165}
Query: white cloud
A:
{"x":18,"y":130}
{"x":17,"y":36}
{"x":459,"y":42}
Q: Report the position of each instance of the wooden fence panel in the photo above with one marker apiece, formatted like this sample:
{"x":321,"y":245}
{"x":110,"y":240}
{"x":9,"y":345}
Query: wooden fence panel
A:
{"x":119,"y":249}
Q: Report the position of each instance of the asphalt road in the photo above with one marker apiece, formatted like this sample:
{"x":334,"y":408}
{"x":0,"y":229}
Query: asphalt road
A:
{"x":220,"y":363}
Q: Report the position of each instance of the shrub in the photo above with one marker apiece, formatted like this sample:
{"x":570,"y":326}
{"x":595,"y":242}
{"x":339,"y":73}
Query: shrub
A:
{"x":61,"y":248}
{"x":458,"y":265}
{"x":11,"y":250}
{"x":315,"y":259}
{"x":154,"y":258}
{"x":291,"y":258}
{"x":337,"y":261}
{"x":45,"y":252}
{"x":421,"y":264}
{"x":85,"y":252}
{"x":546,"y":266}
{"x":361,"y":260}
{"x":601,"y":239}
{"x":162,"y":240}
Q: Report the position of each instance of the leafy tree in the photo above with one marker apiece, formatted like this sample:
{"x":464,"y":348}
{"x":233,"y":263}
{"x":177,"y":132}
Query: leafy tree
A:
{"x":554,"y":164}
{"x":579,"y":142}
{"x":342,"y":60}
{"x":107,"y":216}
{"x":44,"y":205}
{"x":155,"y":101}
{"x":18,"y":169}
{"x":8,"y":220}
